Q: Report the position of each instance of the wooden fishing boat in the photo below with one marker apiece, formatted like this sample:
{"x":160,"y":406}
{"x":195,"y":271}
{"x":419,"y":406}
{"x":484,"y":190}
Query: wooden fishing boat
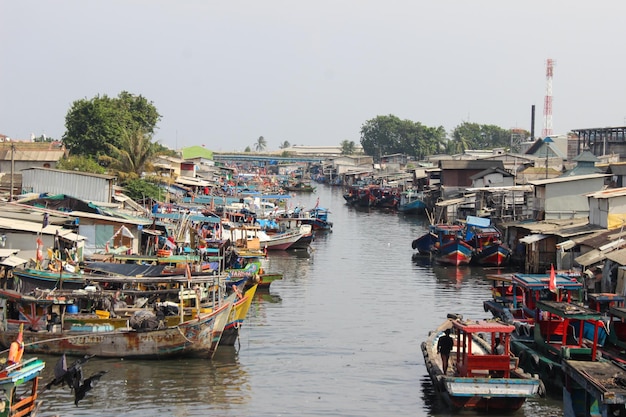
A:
{"x":317,"y":217}
{"x":593,"y":389}
{"x":31,"y":278}
{"x":515,"y":298}
{"x":412,"y":202}
{"x":298,"y":186}
{"x":19,"y":382}
{"x":477,"y":378}
{"x":562,"y":331}
{"x":453,"y":252}
{"x":237,"y":316}
{"x":48,"y":332}
{"x":486,"y":241}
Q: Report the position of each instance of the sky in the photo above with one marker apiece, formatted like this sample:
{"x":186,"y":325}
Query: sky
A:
{"x":224,"y":73}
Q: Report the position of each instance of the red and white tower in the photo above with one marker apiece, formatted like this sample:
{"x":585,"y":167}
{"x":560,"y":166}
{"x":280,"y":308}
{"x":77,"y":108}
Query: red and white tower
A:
{"x":547,"y":104}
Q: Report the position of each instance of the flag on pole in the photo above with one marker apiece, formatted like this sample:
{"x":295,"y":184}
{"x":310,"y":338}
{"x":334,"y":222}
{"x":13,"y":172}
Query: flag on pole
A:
{"x":552,"y":284}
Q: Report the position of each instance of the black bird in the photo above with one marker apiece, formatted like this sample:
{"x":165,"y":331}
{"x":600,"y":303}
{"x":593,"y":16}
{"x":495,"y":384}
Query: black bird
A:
{"x":87,"y":385}
{"x":72,"y":376}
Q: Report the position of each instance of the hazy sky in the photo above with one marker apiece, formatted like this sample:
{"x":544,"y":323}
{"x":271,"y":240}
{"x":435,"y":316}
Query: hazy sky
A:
{"x":223,"y":73}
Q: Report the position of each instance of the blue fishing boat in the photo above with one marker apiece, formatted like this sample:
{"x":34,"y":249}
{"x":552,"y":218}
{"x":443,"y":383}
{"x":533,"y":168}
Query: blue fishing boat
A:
{"x":445,"y":244}
{"x":412,"y":202}
{"x":486,"y":241}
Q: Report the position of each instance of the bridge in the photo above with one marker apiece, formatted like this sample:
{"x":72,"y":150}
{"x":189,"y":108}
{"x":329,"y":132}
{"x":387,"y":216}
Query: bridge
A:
{"x":266,"y":159}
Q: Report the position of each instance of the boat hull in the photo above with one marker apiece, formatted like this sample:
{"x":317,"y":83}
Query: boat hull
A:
{"x":236,"y":318}
{"x":454,"y":253}
{"x":494,"y":255}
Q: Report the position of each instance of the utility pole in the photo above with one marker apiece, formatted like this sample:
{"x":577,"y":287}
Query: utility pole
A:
{"x":12,"y":170}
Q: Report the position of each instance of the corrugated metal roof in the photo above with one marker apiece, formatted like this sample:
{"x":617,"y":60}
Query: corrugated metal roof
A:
{"x":590,"y":258}
{"x":608,"y":193}
{"x":618,"y":256}
{"x":470,"y":164}
{"x":567,"y":179}
{"x":33,"y":155}
{"x":8,"y":252}
{"x":13,"y":261}
{"x":533,"y":238}
{"x":32,"y":227}
{"x":84,"y":174}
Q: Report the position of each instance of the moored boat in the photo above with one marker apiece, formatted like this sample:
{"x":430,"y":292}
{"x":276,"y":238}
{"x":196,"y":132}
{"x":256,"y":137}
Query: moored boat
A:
{"x":479,"y":377}
{"x":486,"y":241}
{"x":237,"y":316}
{"x":562,"y":331}
{"x":19,"y":382}
{"x":444,"y":243}
{"x":412,"y":202}
{"x":47,"y":331}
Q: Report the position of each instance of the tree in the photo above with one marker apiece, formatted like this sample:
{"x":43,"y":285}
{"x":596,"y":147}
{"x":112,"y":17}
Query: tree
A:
{"x":347,"y":147}
{"x":247,"y":150}
{"x":388,"y":134}
{"x":43,"y":138}
{"x":80,"y":163}
{"x":260,"y":144}
{"x":93,"y":125}
{"x":133,"y":154}
{"x":140,"y":188}
{"x":284,"y":145}
{"x":475,"y":136}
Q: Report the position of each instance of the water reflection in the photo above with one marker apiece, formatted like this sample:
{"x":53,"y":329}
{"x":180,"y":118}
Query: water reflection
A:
{"x":142,"y":387}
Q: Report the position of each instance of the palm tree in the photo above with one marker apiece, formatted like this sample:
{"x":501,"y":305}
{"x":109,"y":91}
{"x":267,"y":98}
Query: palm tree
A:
{"x":284,"y":145}
{"x":134,"y":154}
{"x":260,"y":144}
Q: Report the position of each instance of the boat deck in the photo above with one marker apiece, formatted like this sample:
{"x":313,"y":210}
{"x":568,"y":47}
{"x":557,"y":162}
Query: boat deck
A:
{"x":602,"y":379}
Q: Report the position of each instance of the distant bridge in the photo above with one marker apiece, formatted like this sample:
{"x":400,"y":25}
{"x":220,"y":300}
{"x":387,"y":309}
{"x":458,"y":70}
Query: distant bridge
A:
{"x":266,"y":159}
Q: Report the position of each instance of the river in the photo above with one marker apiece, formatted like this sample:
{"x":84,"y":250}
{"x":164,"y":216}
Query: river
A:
{"x":338,"y":336}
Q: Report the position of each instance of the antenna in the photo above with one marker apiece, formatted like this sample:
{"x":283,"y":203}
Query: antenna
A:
{"x":547,"y":104}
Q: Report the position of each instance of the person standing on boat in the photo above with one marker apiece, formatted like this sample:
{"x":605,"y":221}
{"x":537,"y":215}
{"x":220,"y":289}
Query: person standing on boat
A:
{"x":444,"y":346}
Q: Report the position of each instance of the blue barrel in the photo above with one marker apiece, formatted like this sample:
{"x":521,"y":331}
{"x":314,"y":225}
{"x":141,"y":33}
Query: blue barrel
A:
{"x":72,"y":309}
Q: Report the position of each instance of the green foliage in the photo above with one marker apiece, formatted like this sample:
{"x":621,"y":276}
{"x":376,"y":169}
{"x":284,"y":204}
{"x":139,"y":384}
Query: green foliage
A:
{"x":138,"y":188}
{"x":474,"y":136}
{"x":43,"y":138}
{"x":80,"y":163}
{"x":385,"y":135}
{"x":93,"y":125}
{"x":260,"y":144}
{"x":133,"y":154}
{"x":247,"y":149}
{"x":347,"y":147}
{"x":284,"y":145}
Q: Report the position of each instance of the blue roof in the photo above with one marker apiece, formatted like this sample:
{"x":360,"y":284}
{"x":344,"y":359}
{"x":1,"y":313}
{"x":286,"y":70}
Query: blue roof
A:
{"x":542,"y":281}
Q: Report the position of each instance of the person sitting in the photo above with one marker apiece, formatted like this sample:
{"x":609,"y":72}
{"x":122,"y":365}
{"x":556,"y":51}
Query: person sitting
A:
{"x":499,"y":348}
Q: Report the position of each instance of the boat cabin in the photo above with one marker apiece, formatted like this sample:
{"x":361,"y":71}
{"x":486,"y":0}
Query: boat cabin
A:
{"x":564,"y":327}
{"x":469,"y":362}
{"x":536,"y":287}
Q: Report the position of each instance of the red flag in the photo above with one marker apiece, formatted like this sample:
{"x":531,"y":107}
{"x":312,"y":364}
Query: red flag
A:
{"x":552,"y":284}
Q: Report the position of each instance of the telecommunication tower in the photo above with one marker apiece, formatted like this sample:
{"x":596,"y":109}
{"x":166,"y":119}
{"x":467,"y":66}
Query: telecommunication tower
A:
{"x":547,"y":104}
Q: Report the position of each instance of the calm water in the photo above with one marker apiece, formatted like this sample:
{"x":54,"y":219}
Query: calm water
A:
{"x":338,"y":336}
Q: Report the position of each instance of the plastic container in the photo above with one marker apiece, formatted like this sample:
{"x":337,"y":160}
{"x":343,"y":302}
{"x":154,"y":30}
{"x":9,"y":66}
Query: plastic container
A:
{"x":72,"y":309}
